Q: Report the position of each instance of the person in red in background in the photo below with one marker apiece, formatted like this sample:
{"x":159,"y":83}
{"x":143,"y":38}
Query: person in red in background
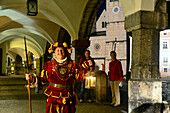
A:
{"x":60,"y":74}
{"x":86,"y":64}
{"x":115,"y":77}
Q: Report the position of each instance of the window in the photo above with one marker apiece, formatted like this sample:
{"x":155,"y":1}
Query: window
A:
{"x":165,"y":34}
{"x":104,"y":24}
{"x":165,"y":45}
{"x":165,"y":70}
{"x":97,"y":46}
{"x":165,"y":60}
{"x":116,"y":9}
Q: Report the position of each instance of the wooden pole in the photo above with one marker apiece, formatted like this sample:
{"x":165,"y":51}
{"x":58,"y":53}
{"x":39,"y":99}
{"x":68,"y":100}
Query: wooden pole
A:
{"x":28,"y":86}
{"x":29,"y":96}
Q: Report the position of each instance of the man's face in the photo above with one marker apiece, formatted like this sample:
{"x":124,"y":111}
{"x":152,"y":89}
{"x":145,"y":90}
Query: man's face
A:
{"x":87,"y":54}
{"x":60,"y":53}
{"x":113,"y":57}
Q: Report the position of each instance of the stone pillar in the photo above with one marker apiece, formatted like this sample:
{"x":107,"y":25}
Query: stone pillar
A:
{"x":144,"y":85}
{"x":19,"y":69}
{"x":38,"y":66}
{"x":4,"y":48}
{"x":101,"y":86}
{"x":80,"y":47}
{"x":1,"y":55}
{"x":31,"y":63}
{"x":25,"y":67}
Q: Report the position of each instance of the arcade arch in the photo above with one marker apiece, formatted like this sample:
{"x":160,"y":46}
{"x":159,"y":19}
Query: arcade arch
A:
{"x":143,"y":19}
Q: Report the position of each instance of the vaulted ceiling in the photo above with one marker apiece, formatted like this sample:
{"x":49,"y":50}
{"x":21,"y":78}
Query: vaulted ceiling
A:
{"x":74,"y":16}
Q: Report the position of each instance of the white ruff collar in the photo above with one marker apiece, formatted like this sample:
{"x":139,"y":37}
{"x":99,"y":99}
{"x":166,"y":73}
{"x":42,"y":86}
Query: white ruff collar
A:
{"x":61,"y":61}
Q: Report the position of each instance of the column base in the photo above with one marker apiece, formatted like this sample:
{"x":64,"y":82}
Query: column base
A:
{"x":144,"y":95}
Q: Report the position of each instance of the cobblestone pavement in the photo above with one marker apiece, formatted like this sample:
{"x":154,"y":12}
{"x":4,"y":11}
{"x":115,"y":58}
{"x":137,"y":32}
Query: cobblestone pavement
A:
{"x":38,"y":106}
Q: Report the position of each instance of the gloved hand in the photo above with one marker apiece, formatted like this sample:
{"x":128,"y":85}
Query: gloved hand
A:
{"x":120,"y":84}
{"x":28,"y":77}
{"x":84,"y":77}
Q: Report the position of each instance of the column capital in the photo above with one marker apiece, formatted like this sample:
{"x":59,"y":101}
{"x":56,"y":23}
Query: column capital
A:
{"x":146,"y":20}
{"x":80,"y":43}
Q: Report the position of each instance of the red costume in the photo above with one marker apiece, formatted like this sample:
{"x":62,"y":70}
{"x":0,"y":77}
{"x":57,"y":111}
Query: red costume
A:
{"x":115,"y":71}
{"x":59,"y":91}
{"x":60,"y":76}
{"x":83,"y":64}
{"x":115,"y":76}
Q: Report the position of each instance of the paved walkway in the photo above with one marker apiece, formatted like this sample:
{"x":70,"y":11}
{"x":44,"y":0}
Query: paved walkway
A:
{"x":16,"y":101}
{"x":19,"y":104}
{"x":38,"y":106}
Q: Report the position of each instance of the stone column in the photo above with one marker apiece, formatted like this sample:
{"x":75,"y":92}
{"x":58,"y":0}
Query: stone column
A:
{"x":144,"y":85}
{"x":38,"y":66}
{"x":25,"y":67}
{"x":80,"y":47}
{"x":1,"y":56}
{"x":4,"y":48}
{"x":19,"y":69}
{"x":30,"y":62}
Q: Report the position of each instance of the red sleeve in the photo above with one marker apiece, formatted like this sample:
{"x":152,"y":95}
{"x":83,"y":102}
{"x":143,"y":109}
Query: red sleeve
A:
{"x":83,"y":64}
{"x":109,"y":71}
{"x":80,"y":63}
{"x":120,"y":71}
{"x":43,"y":77}
{"x":78,"y":73}
{"x":109,"y":66}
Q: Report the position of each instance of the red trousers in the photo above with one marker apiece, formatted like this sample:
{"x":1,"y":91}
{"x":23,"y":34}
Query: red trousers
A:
{"x":57,"y":105}
{"x":55,"y":108}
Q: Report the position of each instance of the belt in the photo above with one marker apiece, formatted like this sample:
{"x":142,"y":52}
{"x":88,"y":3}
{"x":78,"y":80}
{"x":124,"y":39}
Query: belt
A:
{"x":60,"y":86}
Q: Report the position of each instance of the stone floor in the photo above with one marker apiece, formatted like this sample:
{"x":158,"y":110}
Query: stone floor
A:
{"x":38,"y":106}
{"x":19,"y":104}
{"x":14,"y":99}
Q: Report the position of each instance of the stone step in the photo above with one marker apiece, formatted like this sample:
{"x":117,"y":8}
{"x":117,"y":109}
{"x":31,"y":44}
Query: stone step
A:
{"x":10,"y":87}
{"x":12,"y":80}
{"x":13,"y":88}
{"x":21,"y":95}
{"x":12,"y":83}
{"x":15,"y":92}
{"x":11,"y":92}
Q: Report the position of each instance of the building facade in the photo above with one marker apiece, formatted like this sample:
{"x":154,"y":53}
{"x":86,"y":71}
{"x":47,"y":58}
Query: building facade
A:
{"x":109,"y":35}
{"x":164,"y":53}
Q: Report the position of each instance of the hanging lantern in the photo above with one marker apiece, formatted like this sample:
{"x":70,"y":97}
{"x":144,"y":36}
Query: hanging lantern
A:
{"x":90,"y":81}
{"x":32,"y":7}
